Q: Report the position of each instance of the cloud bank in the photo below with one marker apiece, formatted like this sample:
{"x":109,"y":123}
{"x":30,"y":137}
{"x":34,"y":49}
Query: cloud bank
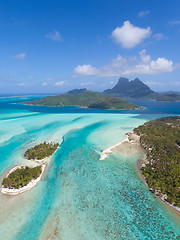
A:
{"x":143,"y":64}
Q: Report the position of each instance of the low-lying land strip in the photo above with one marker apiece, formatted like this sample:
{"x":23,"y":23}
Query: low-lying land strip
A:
{"x":88,"y":99}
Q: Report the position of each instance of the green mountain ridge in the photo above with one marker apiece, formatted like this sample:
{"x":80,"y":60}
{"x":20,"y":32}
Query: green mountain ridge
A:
{"x":85,"y":98}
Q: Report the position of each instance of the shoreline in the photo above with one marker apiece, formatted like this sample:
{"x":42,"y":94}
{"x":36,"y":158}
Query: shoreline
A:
{"x":173,"y":208}
{"x":30,"y":185}
{"x":104,"y":153}
{"x":133,"y":138}
{"x":123,"y":109}
{"x":139,"y":165}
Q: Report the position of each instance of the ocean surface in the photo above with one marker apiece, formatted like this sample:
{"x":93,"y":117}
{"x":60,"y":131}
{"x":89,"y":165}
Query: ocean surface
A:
{"x":80,"y":197}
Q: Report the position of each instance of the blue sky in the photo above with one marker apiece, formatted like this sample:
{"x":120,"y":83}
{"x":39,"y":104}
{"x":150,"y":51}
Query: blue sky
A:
{"x":55,"y":46}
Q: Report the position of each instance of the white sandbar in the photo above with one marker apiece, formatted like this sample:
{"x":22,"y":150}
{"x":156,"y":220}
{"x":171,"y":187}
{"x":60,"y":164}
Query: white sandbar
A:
{"x":105,"y":152}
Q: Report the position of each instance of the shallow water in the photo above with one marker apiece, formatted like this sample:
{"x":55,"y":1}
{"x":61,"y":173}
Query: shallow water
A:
{"x":79,"y":196}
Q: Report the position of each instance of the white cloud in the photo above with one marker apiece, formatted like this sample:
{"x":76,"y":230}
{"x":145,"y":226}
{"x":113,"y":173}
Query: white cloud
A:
{"x":143,"y":64}
{"x":87,"y":83}
{"x":160,"y":65}
{"x":21,"y":84}
{"x":143,"y":13}
{"x":153,"y":83}
{"x":128,"y":36}
{"x":20,"y":56}
{"x":87,"y":70}
{"x":60,"y":83}
{"x":44,"y":84}
{"x":177,"y":83}
{"x":54,"y":82}
{"x":48,"y":79}
{"x":55,"y":36}
{"x":174,"y":22}
{"x":159,"y":36}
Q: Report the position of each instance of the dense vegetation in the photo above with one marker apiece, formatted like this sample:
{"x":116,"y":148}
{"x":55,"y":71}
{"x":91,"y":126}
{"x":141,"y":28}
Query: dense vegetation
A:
{"x":161,"y":139}
{"x":41,"y":151}
{"x":84,"y":99}
{"x":21,"y":177}
{"x":113,"y":103}
{"x":137,"y":89}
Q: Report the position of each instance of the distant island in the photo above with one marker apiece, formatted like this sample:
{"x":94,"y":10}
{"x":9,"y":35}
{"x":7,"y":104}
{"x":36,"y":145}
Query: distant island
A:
{"x":112,"y":98}
{"x":83,"y":98}
{"x":161,"y":140}
{"x":136,"y":89}
{"x":22,"y":178}
{"x":41,"y":151}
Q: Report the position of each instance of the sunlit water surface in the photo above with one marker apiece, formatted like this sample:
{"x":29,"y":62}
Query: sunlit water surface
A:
{"x":80,"y":197}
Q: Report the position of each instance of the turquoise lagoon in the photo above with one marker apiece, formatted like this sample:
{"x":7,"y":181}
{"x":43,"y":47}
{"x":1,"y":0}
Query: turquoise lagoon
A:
{"x":80,"y":197}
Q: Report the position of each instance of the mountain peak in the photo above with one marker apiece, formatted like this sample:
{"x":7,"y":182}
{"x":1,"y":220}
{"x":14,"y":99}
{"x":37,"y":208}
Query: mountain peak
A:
{"x":123,"y":79}
{"x":137,"y":80}
{"x":126,"y":88}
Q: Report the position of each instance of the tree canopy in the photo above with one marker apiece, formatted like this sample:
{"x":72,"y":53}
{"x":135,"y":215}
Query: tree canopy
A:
{"x":161,"y":140}
{"x":41,"y":151}
{"x":21,"y":177}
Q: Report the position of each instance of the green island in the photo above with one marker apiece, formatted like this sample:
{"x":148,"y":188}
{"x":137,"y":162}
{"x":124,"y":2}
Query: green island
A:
{"x":84,"y":98}
{"x":21,"y":177}
{"x":161,"y":140}
{"x":41,"y":151}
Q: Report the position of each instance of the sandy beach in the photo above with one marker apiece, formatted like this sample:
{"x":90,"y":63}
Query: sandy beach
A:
{"x":30,"y":185}
{"x":133,"y":138}
{"x":105,"y":152}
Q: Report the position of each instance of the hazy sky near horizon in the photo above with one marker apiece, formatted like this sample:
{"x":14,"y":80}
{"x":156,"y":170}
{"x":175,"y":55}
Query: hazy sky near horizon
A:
{"x":54,"y":46}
